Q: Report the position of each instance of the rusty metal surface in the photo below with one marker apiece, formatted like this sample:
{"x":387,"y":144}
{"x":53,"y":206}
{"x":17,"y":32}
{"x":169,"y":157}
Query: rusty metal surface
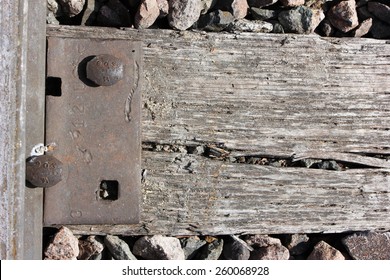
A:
{"x":96,"y":135}
{"x":105,"y":70}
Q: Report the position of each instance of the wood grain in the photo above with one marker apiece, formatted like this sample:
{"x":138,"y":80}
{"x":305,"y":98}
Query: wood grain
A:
{"x":264,"y":94}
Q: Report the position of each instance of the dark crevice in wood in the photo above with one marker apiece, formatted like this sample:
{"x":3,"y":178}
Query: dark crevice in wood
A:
{"x":218,"y":151}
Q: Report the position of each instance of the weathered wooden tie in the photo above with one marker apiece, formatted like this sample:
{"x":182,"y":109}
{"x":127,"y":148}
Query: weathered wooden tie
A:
{"x":264,"y":95}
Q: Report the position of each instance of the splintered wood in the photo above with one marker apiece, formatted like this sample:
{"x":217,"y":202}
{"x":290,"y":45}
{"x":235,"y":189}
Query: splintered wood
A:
{"x":280,"y":96}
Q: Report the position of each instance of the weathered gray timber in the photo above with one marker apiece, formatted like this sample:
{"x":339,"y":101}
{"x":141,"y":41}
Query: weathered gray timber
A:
{"x":13,"y":49}
{"x":267,"y":95}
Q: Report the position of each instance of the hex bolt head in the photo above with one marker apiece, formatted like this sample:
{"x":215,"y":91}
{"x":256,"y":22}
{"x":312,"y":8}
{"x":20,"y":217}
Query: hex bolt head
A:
{"x":44,"y":171}
{"x":105,"y":70}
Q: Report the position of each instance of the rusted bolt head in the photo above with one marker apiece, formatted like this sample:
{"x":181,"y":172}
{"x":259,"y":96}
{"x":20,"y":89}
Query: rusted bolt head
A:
{"x":105,"y":70}
{"x":44,"y":171}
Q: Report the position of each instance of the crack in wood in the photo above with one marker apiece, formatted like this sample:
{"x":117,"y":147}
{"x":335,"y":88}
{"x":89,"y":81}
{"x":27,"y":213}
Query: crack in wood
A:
{"x":311,"y":159}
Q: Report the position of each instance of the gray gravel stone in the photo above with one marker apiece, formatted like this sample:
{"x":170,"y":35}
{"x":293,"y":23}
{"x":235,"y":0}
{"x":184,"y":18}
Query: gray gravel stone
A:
{"x":343,"y":16}
{"x":309,"y":162}
{"x":297,"y":244}
{"x":273,"y":252}
{"x":163,"y":5}
{"x":368,"y":245}
{"x":244,"y":25}
{"x":278,"y":28}
{"x":64,"y":246}
{"x":300,"y":20}
{"x":190,"y":246}
{"x":72,"y":7}
{"x":118,"y":248}
{"x":261,"y":3}
{"x":329,"y":165}
{"x":90,"y":248}
{"x":215,"y":21}
{"x":323,"y":251}
{"x":235,"y":250}
{"x":183,"y":13}
{"x":292,"y":3}
{"x":263,"y":14}
{"x":211,"y":251}
{"x":54,"y":7}
{"x":113,"y":14}
{"x":51,"y":19}
{"x":327,"y":30}
{"x":381,"y":11}
{"x":158,"y":247}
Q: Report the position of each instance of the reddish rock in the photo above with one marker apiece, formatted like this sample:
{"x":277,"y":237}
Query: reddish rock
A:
{"x":273,"y":252}
{"x":183,"y":13}
{"x":363,"y":28}
{"x":368,"y":245}
{"x":381,"y":11}
{"x":239,"y":8}
{"x":147,"y":14}
{"x":343,"y":16}
{"x":317,"y":17}
{"x":323,"y":251}
{"x":292,"y":3}
{"x":266,"y":248}
{"x":260,"y":240}
{"x":90,"y":248}
{"x":64,"y":246}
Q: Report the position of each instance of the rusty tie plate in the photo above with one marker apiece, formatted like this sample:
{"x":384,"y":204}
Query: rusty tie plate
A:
{"x":95,"y":132}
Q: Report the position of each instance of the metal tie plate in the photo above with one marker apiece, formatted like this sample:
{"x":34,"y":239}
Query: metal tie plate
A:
{"x":94,"y":131}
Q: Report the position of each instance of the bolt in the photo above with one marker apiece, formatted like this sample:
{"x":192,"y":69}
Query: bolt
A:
{"x":43,"y":171}
{"x":105,"y":70}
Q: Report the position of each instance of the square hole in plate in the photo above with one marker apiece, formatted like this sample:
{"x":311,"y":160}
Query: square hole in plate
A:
{"x":108,"y":190}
